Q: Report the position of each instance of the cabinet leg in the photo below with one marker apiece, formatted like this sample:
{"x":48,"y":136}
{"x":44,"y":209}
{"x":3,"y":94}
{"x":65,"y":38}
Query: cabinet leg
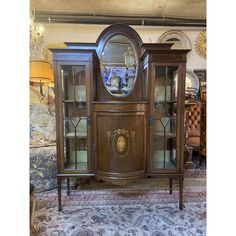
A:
{"x":59,"y":193}
{"x":201,"y":159}
{"x":181,"y":185}
{"x":68,"y":186}
{"x":170,"y":185}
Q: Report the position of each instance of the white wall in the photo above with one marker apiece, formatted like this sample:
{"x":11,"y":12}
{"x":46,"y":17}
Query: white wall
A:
{"x":59,"y":33}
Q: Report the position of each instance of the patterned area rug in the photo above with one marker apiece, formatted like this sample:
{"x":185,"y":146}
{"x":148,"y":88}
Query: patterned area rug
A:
{"x":143,"y":209}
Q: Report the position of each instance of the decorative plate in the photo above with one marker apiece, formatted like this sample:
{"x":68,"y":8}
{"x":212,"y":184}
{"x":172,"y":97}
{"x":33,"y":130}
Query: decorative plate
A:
{"x":180,"y":40}
{"x":200,"y":44}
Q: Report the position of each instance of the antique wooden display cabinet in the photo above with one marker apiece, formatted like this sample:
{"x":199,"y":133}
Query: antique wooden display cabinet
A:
{"x":120,"y":109}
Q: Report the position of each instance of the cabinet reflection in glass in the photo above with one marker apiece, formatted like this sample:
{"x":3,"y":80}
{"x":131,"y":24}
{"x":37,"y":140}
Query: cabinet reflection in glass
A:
{"x":119,"y":66}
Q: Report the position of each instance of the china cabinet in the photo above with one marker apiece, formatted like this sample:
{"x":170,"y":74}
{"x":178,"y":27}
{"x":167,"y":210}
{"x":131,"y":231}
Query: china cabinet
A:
{"x":164,"y":77}
{"x":120,"y":109}
{"x":74,"y":77}
{"x":202,"y":76}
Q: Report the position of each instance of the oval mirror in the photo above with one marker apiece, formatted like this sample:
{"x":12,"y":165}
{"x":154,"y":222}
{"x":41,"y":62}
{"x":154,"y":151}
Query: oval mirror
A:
{"x":119,"y":66}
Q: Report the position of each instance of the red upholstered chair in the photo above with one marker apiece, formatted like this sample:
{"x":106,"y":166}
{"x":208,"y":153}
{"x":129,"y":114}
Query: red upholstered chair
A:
{"x":194,"y":120}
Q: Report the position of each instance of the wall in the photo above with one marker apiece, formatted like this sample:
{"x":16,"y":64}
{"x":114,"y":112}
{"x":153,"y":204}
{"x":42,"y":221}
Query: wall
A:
{"x":55,"y":34}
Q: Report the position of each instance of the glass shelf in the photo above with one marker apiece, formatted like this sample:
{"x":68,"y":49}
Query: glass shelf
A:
{"x":160,"y":164}
{"x":162,"y":135}
{"x":167,"y":101}
{"x":76,"y":166}
{"x":77,"y":135}
{"x":72,"y":101}
{"x":76,"y":160}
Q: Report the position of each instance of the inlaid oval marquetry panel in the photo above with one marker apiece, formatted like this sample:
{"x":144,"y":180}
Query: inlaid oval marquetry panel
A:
{"x":121,"y":141}
{"x":121,"y":144}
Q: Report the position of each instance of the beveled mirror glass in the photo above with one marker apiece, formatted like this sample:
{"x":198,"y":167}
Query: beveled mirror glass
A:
{"x":119,"y":66}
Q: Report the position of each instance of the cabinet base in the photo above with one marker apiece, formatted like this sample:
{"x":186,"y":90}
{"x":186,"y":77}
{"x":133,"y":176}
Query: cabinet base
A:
{"x":120,"y":178}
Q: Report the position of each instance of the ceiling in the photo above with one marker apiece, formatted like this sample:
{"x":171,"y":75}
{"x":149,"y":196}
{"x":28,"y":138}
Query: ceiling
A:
{"x":132,"y":12}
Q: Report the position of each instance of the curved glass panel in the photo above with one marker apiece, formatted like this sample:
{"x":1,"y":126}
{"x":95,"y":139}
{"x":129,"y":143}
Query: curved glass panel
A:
{"x":119,"y":66}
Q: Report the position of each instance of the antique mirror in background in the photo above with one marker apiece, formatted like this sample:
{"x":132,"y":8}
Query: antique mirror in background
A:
{"x":178,"y":38}
{"x":119,"y":66}
{"x":192,"y":85}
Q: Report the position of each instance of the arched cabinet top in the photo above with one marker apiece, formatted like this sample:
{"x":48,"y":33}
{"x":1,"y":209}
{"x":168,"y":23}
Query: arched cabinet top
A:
{"x":119,"y":29}
{"x":119,"y":52}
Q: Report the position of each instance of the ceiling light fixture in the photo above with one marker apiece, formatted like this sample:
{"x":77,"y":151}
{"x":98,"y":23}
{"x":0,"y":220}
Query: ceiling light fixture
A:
{"x":41,"y":71}
{"x":37,"y":49}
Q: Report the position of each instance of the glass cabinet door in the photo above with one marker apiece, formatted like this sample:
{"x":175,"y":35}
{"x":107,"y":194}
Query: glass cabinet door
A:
{"x":164,"y":118}
{"x":74,"y":116}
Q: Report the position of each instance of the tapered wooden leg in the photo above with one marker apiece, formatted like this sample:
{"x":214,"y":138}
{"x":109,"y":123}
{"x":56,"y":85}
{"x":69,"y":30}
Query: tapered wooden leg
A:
{"x":181,"y":186}
{"x":68,"y":186}
{"x":59,"y":193}
{"x":201,"y":159}
{"x":170,"y":185}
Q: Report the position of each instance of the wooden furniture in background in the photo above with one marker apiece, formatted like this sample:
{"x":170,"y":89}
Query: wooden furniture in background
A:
{"x":188,"y":150}
{"x":203,"y":145}
{"x":194,"y":120}
{"x":192,"y":129}
{"x":202,"y":76}
{"x":119,"y":111}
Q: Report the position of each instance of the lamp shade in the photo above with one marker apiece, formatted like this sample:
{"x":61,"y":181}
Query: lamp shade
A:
{"x":51,"y":83}
{"x":40,"y":71}
{"x":51,"y":74}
